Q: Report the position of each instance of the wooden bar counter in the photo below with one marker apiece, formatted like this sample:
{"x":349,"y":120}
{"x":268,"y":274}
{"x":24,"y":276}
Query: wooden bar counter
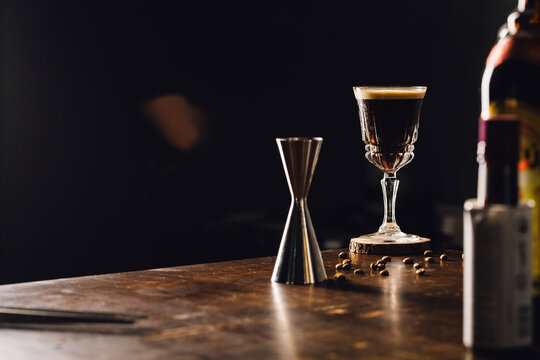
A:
{"x":231,"y":310}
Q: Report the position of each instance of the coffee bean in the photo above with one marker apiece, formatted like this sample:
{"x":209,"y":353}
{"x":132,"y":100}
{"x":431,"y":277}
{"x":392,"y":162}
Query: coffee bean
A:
{"x":372,"y":266}
{"x":408,"y":260}
{"x":420,"y":271}
{"x":339,"y":266}
{"x":417,"y":266}
{"x":346,"y":266}
{"x":383,"y":272}
{"x":443,"y":257}
{"x":343,"y":255}
{"x":381,"y":266}
{"x":339,"y":276}
{"x":346,"y":261}
{"x":359,"y":272}
{"x":428,"y":253}
{"x":429,"y":259}
{"x":380,"y":261}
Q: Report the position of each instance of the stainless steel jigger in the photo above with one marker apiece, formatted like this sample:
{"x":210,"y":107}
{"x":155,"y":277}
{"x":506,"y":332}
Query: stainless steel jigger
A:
{"x":299,"y":260}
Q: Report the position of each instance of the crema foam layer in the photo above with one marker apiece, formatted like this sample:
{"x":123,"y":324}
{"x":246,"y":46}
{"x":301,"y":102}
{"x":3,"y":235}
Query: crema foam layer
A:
{"x":404,"y":93}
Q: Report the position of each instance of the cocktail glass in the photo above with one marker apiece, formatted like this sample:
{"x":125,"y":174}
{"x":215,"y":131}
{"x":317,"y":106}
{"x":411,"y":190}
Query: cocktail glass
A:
{"x":389,"y":118}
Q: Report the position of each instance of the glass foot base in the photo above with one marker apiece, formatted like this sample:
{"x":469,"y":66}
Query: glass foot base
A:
{"x":397,"y":243}
{"x":389,"y":237}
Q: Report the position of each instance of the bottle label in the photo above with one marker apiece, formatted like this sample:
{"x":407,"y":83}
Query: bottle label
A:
{"x":497,"y":302}
{"x":514,"y":48}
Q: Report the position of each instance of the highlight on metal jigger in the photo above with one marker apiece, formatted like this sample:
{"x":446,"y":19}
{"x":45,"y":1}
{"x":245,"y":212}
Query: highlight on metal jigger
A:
{"x":299,"y":260}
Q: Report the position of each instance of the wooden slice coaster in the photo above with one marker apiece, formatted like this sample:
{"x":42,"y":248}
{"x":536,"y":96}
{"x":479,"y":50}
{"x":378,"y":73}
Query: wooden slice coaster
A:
{"x":365,"y":246}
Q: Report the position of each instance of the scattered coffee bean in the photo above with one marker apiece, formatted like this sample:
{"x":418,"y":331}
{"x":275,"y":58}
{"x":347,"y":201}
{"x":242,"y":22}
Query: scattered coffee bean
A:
{"x":380,"y":261}
{"x":383,"y":272}
{"x":359,"y":272}
{"x":343,"y":255}
{"x":429,"y":259}
{"x":339,"y":276}
{"x":346,"y":266}
{"x":417,"y":266}
{"x":339,"y":266}
{"x":428,"y":253}
{"x":372,"y":266}
{"x":420,"y":271}
{"x":346,"y":261}
{"x":381,"y":266}
{"x":387,"y":258}
{"x":443,"y":257}
{"x":408,"y":260}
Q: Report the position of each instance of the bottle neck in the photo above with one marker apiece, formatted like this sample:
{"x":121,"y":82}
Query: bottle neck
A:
{"x":526,"y":17}
{"x":497,"y":156}
{"x":524,"y":5}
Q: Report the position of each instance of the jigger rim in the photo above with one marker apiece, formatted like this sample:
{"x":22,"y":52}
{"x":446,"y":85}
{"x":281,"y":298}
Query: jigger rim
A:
{"x":300,"y":138}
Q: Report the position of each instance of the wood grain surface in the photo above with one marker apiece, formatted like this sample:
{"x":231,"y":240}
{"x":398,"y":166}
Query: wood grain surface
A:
{"x":231,"y":310}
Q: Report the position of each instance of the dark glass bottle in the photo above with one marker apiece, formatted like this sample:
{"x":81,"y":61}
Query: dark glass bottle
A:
{"x":511,"y":85}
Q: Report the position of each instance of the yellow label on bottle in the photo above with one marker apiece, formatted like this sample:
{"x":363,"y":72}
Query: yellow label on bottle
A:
{"x":529,"y":165}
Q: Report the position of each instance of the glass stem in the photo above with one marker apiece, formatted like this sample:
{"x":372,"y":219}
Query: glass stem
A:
{"x":389,"y":185}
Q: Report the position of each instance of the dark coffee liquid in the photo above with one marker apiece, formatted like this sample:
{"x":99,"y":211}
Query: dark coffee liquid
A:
{"x":390,"y":127}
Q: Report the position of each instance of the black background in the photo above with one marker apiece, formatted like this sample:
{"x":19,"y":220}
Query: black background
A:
{"x":88,"y":186}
